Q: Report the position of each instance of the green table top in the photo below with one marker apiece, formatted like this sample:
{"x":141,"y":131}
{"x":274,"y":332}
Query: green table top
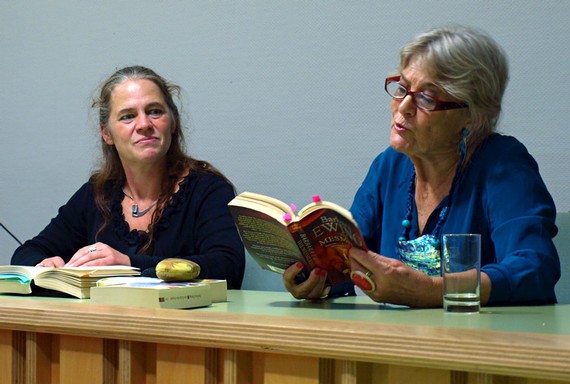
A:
{"x":549,"y":319}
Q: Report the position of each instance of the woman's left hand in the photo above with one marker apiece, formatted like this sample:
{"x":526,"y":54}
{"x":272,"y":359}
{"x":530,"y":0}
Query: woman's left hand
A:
{"x":393,"y":281}
{"x":98,"y":254}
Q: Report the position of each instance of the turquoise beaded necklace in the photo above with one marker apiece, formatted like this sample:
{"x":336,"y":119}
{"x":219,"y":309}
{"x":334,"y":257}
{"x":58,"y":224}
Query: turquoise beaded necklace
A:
{"x":424,"y":253}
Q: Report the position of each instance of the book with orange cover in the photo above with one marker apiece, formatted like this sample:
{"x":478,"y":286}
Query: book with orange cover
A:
{"x":319,"y":235}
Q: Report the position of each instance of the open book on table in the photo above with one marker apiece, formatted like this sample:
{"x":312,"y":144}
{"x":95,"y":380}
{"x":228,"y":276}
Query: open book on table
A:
{"x":73,"y":281}
{"x":319,"y":235}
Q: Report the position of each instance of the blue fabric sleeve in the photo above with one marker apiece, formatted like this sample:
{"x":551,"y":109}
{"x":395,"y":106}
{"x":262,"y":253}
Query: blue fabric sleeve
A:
{"x":500,"y":196}
{"x":521,"y":216}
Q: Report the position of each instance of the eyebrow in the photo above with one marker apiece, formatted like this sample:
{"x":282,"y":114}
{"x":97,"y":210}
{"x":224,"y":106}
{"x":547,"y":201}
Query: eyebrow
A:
{"x":152,"y":104}
{"x":428,"y":86}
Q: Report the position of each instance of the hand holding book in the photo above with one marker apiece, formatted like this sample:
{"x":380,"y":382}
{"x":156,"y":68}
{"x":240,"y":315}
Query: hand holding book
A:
{"x":319,"y":236}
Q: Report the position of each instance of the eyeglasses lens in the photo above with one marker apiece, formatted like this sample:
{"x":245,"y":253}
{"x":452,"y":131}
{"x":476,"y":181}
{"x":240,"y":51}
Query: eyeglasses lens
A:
{"x":398,"y":91}
{"x":395,"y":90}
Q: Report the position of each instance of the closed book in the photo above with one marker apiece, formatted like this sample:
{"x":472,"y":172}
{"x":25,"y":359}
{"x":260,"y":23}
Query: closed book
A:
{"x":73,"y":281}
{"x":218,"y":289}
{"x":150,"y":292}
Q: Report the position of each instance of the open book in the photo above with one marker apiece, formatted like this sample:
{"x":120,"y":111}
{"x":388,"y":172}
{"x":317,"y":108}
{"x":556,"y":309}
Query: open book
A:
{"x":74,"y":281}
{"x":319,"y":235}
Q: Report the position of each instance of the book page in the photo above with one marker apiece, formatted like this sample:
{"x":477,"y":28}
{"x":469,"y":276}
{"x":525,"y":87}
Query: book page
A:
{"x":266,"y":239}
{"x":102,"y":270}
{"x":71,"y":285}
{"x":306,"y":210}
{"x":268,"y":200}
{"x":247,"y":200}
{"x":24,"y":274}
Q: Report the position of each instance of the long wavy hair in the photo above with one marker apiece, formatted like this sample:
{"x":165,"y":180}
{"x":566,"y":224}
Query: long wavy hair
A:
{"x":111,"y":174}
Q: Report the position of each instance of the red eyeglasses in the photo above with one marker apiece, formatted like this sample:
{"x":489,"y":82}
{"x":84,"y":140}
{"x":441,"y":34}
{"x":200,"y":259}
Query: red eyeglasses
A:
{"x":421,"y":100}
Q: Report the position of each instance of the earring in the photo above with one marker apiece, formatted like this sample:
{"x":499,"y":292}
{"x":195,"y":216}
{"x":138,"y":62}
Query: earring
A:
{"x":463,"y":142}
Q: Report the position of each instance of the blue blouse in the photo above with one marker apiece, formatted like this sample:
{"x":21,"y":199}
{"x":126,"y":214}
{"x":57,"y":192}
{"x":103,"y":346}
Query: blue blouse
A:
{"x":501,"y":196}
{"x":196,"y":225}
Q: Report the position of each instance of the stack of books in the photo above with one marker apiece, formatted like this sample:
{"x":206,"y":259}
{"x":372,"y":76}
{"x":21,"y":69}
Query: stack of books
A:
{"x":116,"y":285}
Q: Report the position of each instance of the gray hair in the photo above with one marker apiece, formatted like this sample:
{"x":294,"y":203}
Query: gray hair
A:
{"x":468,"y":65}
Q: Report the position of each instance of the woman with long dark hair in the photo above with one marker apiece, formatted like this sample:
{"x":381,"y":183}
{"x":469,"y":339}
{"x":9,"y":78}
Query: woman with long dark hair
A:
{"x":148,"y":200}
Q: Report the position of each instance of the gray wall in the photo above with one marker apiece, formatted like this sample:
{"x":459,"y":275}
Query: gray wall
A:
{"x":285,"y":97}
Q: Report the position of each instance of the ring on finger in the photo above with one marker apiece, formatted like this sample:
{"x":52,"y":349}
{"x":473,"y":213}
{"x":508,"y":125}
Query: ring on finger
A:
{"x":363,"y":280}
{"x":92,"y":248}
{"x":325,"y":292}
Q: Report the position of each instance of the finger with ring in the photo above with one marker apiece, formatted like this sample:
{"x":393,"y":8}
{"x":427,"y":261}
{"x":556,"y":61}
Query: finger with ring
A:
{"x":92,"y":248}
{"x":363,"y":280}
{"x":325,"y":292}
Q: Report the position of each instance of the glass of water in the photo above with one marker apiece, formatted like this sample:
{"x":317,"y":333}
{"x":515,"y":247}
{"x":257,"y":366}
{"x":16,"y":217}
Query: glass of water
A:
{"x":461,"y":271}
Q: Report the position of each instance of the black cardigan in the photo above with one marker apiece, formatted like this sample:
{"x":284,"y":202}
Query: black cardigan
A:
{"x":196,"y":225}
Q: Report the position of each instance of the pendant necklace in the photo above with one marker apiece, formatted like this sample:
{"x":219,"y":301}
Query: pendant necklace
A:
{"x":135,"y":207}
{"x":424,"y":253}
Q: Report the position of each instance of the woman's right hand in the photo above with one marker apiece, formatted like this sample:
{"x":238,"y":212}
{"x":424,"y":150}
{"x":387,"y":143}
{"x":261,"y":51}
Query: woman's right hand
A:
{"x":312,"y":288}
{"x":54,"y":261}
{"x":394,"y":282}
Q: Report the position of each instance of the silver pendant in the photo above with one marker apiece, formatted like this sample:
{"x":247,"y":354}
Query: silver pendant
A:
{"x":135,"y":210}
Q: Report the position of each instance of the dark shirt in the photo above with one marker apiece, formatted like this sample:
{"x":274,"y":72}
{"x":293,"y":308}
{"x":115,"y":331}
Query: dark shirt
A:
{"x":501,"y":196}
{"x":196,"y":225}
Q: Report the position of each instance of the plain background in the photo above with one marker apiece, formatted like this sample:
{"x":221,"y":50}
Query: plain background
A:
{"x":285,"y":97}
